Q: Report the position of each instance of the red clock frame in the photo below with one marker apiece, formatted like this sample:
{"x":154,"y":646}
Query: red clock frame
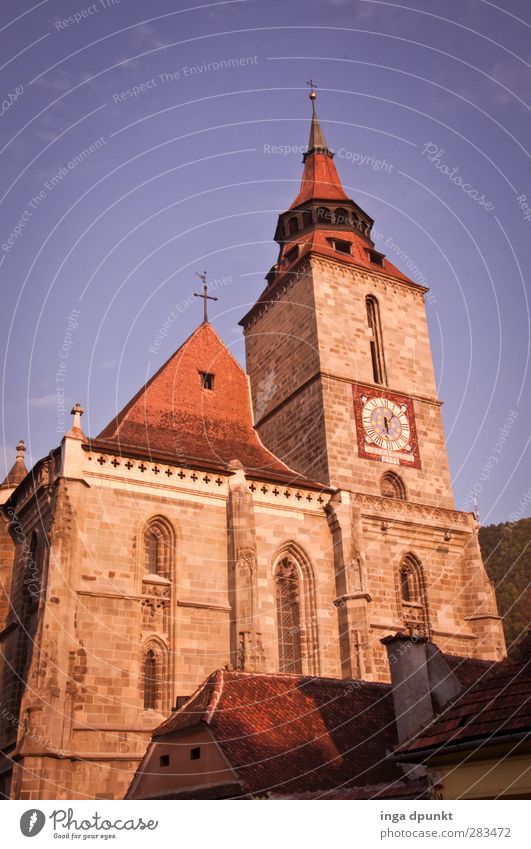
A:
{"x":410,"y":459}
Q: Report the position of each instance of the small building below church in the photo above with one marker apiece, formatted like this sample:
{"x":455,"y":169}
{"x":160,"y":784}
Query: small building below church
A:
{"x":267,"y":735}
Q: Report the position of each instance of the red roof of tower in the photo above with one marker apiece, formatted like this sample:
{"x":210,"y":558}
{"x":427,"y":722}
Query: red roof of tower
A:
{"x":173,"y":414}
{"x":320,"y":180}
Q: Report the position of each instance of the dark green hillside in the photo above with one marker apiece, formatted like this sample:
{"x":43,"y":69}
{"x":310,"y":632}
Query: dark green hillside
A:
{"x":506,"y":550}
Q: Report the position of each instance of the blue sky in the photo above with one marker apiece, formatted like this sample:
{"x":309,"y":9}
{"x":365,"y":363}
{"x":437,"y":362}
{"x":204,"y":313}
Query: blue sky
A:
{"x":134,"y":153}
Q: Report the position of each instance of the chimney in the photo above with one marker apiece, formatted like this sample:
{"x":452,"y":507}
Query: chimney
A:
{"x":422,"y":682}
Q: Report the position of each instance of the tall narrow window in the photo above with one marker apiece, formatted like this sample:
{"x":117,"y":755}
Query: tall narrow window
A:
{"x":376,"y":342}
{"x":150,"y":680}
{"x":288,"y":617}
{"x":152,"y":550}
{"x":158,"y":547}
{"x":413,"y":596}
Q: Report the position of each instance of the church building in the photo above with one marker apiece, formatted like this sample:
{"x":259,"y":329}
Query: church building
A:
{"x":280,"y":520}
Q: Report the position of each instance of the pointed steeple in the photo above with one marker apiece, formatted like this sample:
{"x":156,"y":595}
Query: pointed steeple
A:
{"x":18,"y":470}
{"x":323,"y":219}
{"x":320,"y":180}
{"x":317,"y":142}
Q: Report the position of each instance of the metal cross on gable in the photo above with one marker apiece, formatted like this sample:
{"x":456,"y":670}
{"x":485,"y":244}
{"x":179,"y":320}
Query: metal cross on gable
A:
{"x":206,"y":297}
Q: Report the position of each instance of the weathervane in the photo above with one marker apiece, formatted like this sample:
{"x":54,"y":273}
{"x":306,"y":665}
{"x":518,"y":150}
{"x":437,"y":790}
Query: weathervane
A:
{"x":206,"y":297}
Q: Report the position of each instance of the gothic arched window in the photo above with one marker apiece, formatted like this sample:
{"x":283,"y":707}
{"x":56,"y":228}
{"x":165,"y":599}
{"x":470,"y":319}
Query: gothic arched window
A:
{"x":158,"y":547}
{"x":377,"y":352}
{"x":392,"y":486}
{"x":307,"y":219}
{"x":296,"y":614}
{"x":288,"y":617}
{"x":150,"y":680}
{"x":413,"y":596}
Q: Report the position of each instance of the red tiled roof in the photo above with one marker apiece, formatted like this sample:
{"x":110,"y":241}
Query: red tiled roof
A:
{"x":293,"y":734}
{"x":320,"y":180}
{"x":173,"y":415}
{"x":499,"y":703}
{"x":317,"y":240}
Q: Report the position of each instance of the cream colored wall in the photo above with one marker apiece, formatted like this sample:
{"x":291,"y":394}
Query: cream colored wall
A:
{"x":508,"y":775}
{"x":182,"y":772}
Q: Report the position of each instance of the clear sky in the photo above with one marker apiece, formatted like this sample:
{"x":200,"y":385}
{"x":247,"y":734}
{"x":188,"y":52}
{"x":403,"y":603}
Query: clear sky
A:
{"x":135,"y":150}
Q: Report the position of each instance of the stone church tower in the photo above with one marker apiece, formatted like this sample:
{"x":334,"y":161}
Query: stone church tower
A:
{"x":192,"y":534}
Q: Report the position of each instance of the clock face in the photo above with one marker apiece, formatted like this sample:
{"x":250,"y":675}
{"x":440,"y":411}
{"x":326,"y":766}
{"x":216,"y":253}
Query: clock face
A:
{"x":385,"y":426}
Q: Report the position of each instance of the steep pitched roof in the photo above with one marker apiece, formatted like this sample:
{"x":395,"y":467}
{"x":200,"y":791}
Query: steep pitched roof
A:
{"x":320,"y":180}
{"x":499,"y":703}
{"x":290,"y":734}
{"x":174,"y":414}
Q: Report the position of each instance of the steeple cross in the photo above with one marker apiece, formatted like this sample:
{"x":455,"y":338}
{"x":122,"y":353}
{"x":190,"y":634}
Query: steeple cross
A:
{"x":204,"y":296}
{"x":312,"y":85}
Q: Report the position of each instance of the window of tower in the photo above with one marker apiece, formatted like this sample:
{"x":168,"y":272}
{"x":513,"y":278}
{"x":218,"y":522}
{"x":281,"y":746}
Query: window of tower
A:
{"x":340,"y":246}
{"x":307,"y":219}
{"x":293,"y":225}
{"x":324,"y":215}
{"x":375,"y":257}
{"x":376,"y":341}
{"x":342,"y":216}
{"x":392,"y":486}
{"x":291,"y":255}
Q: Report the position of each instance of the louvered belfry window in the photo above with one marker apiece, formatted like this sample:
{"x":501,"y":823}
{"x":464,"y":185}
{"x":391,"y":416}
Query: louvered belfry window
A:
{"x":288,"y":617}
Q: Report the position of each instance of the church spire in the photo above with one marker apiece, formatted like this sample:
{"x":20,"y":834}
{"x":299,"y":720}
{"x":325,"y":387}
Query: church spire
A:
{"x":320,"y":180}
{"x":317,"y":142}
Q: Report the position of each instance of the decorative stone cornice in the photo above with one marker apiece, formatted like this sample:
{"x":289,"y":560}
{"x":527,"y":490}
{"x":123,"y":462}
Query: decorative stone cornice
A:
{"x":379,"y":506}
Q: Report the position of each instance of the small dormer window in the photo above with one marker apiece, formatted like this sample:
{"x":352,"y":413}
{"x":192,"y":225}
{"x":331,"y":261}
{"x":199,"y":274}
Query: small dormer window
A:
{"x":292,"y":255}
{"x":207,"y":380}
{"x":375,"y":257}
{"x":341,"y":246}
